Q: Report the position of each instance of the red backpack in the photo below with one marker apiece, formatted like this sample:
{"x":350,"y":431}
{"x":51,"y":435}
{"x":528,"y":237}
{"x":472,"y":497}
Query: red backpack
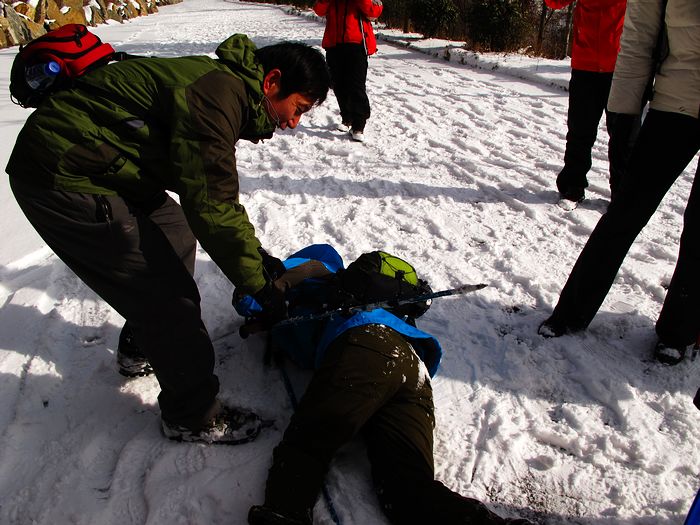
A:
{"x":52,"y":61}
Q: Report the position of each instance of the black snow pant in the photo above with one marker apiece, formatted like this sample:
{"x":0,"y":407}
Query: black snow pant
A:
{"x":348,"y":67}
{"x":140,"y":260}
{"x":588,"y":98}
{"x":666,"y":145}
{"x":370,"y":382}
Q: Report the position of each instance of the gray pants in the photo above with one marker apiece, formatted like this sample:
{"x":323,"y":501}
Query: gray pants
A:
{"x":140,"y":260}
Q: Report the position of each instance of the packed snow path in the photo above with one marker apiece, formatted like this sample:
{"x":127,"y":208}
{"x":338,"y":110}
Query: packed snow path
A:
{"x":457,"y":176}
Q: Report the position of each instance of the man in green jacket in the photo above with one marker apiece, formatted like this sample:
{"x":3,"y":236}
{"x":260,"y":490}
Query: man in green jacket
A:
{"x":90,"y":170}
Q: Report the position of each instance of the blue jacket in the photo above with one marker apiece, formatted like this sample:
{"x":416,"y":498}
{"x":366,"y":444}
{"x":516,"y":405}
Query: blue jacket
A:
{"x":306,"y":343}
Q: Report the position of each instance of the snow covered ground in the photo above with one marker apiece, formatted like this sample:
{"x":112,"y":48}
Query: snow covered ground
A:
{"x":457,"y":177}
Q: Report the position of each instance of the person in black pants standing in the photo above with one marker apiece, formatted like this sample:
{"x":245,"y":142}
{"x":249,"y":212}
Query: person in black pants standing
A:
{"x":348,"y":41}
{"x":597,"y":30}
{"x":667,"y":143}
{"x":90,"y":170}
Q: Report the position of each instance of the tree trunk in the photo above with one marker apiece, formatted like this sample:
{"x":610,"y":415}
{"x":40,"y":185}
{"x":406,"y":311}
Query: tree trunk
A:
{"x":540,"y":31}
{"x":569,"y":29}
{"x":405,"y":10}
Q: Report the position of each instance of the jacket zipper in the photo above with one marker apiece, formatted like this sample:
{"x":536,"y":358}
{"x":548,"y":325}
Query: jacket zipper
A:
{"x":345,"y":16}
{"x":362,"y":32}
{"x":104,"y":208}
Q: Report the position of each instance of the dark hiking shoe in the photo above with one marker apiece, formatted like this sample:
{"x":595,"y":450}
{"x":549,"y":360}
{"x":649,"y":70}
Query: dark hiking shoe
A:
{"x":261,"y":515}
{"x":131,"y":362}
{"x":572,"y":194}
{"x":133,"y":367}
{"x":230,"y":426}
{"x":573,"y":197}
{"x":556,"y":327}
{"x":669,"y":355}
{"x":552,"y":328}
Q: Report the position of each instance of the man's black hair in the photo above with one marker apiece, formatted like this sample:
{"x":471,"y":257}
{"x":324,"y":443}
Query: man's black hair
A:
{"x":303,"y":68}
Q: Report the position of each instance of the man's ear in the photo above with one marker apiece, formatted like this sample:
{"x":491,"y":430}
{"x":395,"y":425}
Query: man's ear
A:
{"x":271,"y":82}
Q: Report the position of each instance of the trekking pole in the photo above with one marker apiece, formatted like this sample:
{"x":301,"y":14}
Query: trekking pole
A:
{"x":253,"y":327}
{"x":392,"y":303}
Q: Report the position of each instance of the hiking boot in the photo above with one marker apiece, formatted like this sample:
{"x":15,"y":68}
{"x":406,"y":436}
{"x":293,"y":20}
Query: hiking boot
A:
{"x":229,"y":426}
{"x":261,"y":515}
{"x":131,"y":361}
{"x":133,"y":366}
{"x":572,"y":194}
{"x":344,"y":127}
{"x":552,"y":328}
{"x":357,"y":135}
{"x":669,"y":355}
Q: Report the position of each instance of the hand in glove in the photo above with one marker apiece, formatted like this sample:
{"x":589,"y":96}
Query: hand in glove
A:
{"x":267,"y":306}
{"x":264,"y":308}
{"x":273,"y":268}
{"x":271,"y":299}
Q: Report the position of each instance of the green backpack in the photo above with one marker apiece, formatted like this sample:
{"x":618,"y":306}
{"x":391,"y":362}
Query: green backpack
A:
{"x":379,"y":276}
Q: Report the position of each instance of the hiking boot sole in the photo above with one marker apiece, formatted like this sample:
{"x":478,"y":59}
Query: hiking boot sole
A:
{"x":142,"y":372}
{"x":185,"y":436}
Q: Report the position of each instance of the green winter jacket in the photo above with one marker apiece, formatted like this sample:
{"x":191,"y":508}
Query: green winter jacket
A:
{"x":142,"y":126}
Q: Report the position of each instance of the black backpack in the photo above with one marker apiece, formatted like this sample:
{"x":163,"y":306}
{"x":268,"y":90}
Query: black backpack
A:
{"x":379,"y":276}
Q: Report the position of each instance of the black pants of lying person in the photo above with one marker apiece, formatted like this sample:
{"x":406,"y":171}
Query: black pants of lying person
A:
{"x":372,"y":383}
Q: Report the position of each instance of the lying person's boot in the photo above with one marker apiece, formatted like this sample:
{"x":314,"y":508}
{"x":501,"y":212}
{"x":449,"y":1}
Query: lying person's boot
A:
{"x":131,"y":361}
{"x":669,"y":355}
{"x":261,"y":515}
{"x":228,"y":426}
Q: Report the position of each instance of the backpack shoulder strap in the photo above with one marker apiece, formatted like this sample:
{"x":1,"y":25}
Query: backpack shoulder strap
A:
{"x":120,"y":56}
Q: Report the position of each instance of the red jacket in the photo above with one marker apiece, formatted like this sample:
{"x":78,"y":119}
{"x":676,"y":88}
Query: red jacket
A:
{"x":597,"y":30}
{"x":348,"y":22}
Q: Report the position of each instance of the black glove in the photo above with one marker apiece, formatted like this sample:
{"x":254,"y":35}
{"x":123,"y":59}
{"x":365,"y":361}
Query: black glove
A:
{"x":273,"y":303}
{"x":273,"y":268}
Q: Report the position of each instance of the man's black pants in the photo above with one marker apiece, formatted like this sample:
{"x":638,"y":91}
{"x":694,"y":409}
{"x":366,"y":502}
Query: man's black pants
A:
{"x":140,"y":260}
{"x":588,"y":98}
{"x":348,"y":67}
{"x":666,"y":144}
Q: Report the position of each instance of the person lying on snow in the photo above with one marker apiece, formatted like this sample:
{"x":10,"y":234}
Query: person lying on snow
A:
{"x":372,"y":377}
